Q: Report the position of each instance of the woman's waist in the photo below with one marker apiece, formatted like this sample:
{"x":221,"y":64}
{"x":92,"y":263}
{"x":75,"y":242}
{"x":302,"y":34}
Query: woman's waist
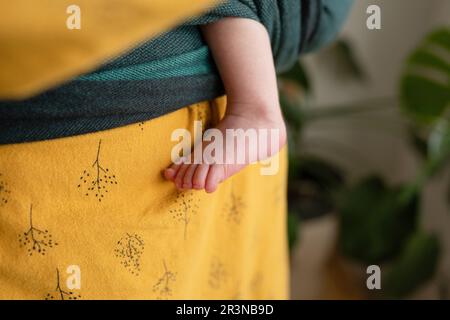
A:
{"x":85,"y":106}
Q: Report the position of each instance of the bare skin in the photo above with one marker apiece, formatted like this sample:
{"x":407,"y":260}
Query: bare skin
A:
{"x":242,"y":51}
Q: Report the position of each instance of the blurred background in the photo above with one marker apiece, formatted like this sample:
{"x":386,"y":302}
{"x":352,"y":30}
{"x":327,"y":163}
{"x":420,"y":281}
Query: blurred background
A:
{"x":369,"y":179}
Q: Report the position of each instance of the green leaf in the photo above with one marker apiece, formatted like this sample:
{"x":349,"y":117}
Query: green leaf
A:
{"x":298,"y":75}
{"x":375,"y":222}
{"x":425,"y":84}
{"x":416,"y":264}
{"x":292,"y":228}
{"x":313,"y":185}
{"x":418,"y":141}
{"x":439,"y":145}
{"x":347,"y":59}
{"x":438,"y":155}
{"x":292,"y":113}
{"x":326,"y":175}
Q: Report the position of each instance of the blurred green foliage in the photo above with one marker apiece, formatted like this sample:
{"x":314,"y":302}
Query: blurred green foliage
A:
{"x":415,"y":265}
{"x":298,"y":75}
{"x":378,"y":223}
{"x":313,"y":184}
{"x":375,"y":223}
{"x":293,"y":222}
{"x":425,"y":84}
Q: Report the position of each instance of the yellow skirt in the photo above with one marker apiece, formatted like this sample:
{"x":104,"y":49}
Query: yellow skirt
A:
{"x":90,"y":217}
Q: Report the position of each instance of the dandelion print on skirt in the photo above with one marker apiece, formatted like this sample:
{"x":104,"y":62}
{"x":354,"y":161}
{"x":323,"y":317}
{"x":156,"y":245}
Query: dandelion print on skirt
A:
{"x":233,"y":208}
{"x":217,"y":274}
{"x":4,"y":192}
{"x":163,"y":287}
{"x":36,"y":240}
{"x":129,"y":250}
{"x":185,"y":208}
{"x":59,"y":293}
{"x":97,"y":180}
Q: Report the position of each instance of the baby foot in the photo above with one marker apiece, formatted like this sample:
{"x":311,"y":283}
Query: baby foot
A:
{"x":208,"y":175}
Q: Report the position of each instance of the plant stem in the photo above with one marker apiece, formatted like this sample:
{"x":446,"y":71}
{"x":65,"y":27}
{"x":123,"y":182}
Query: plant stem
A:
{"x":319,"y":113}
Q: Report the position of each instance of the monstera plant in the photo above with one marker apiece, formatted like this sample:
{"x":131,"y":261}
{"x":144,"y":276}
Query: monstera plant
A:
{"x":389,"y":230}
{"x":379,"y":223}
{"x":425,"y":95}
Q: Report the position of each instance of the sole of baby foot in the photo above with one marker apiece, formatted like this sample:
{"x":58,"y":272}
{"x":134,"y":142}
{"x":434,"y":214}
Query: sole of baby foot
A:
{"x":208,"y":176}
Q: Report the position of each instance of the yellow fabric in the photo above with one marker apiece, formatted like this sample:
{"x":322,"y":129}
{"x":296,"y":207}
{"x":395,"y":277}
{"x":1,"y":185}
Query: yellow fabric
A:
{"x":38,"y":51}
{"x":136,"y":238}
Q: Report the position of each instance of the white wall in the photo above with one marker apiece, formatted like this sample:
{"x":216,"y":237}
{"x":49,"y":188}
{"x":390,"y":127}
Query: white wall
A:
{"x":404,"y":23}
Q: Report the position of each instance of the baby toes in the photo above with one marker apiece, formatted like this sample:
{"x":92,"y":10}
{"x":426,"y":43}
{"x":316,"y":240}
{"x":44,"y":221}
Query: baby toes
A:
{"x":188,"y":176}
{"x":180,"y":176}
{"x":171,"y":172}
{"x":199,"y":179}
{"x":215,"y":176}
